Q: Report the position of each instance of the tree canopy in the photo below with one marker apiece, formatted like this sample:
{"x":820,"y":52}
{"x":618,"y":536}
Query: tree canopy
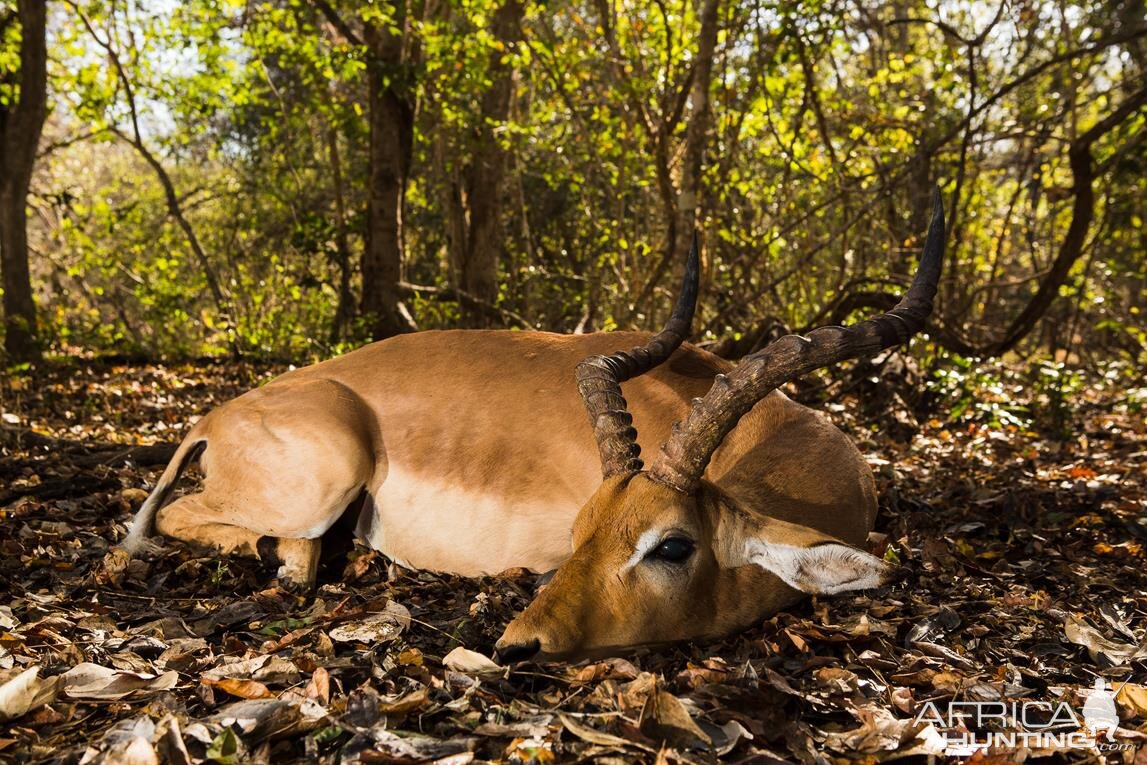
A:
{"x":288,"y":178}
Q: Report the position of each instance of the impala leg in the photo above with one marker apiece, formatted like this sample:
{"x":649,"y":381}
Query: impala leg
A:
{"x":298,"y":558}
{"x":195,"y":519}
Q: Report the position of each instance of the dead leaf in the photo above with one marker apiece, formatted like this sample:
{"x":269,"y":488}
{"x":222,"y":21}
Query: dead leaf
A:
{"x":903,"y":700}
{"x":93,"y":682}
{"x":1133,"y":698}
{"x":169,"y":742}
{"x":419,"y":748}
{"x":240,"y":688}
{"x":1080,"y":633}
{"x":726,"y":737}
{"x":472,"y":663}
{"x":274,"y":670}
{"x":635,"y":693}
{"x":836,"y":680}
{"x":133,"y":496}
{"x":375,"y":628}
{"x":533,"y":727}
{"x":262,"y":719}
{"x":404,"y":704}
{"x":138,"y":751}
{"x":879,"y":731}
{"x":664,"y":718}
{"x":111,"y":570}
{"x":530,"y":750}
{"x":25,"y":692}
{"x":946,"y":680}
{"x":617,"y":669}
{"x":319,"y":686}
{"x":594,"y":736}
{"x":712,"y":671}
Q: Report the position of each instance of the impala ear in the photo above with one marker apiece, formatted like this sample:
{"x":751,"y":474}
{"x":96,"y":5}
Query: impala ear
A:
{"x":825,"y":568}
{"x":802,"y":557}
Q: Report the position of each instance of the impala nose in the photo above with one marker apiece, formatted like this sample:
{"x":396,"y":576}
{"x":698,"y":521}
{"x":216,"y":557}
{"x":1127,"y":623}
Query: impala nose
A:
{"x":517,"y":651}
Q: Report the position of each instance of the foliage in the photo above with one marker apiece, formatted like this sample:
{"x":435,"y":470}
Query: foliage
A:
{"x":831,"y":123}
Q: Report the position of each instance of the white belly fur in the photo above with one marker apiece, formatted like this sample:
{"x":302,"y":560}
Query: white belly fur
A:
{"x":422,"y":524}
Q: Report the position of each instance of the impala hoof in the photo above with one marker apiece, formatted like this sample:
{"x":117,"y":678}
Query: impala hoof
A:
{"x":517,"y":651}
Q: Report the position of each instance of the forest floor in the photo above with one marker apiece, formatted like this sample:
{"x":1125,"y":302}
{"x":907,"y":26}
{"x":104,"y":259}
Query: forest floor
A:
{"x":1025,"y":579}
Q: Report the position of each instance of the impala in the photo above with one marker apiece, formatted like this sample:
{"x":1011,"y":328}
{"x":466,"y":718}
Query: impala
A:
{"x":470,"y":452}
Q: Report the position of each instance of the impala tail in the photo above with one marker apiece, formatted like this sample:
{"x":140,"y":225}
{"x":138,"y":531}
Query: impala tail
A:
{"x":143,"y":525}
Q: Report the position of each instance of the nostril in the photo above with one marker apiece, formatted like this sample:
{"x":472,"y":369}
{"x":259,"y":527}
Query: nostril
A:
{"x":518,"y":651}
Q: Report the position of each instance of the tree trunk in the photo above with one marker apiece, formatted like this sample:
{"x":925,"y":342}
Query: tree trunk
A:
{"x":391,"y":105}
{"x":453,"y":203}
{"x":345,"y":308}
{"x":20,"y":127}
{"x":482,"y":249}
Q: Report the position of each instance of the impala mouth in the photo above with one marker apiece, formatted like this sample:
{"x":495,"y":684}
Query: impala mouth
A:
{"x":514,"y":652}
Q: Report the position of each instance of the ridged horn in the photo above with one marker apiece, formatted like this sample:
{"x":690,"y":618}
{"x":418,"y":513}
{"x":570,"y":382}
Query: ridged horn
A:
{"x":685,"y":456}
{"x":599,"y":379}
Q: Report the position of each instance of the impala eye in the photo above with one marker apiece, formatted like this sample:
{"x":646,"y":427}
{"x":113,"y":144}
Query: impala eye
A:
{"x":673,"y":550}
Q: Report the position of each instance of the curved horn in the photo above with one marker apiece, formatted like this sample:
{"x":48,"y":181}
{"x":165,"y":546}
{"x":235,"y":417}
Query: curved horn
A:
{"x":599,"y":379}
{"x":685,"y":456}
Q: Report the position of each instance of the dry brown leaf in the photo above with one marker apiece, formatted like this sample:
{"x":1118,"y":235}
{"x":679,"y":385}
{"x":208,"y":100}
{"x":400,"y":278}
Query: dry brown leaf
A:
{"x":946,"y":680}
{"x":240,"y":688}
{"x":260,"y":719}
{"x":319,"y":686}
{"x":93,"y":682}
{"x":112,"y":568}
{"x":133,"y":496}
{"x":903,"y":700}
{"x":726,"y":737}
{"x":265,"y":669}
{"x":25,"y":692}
{"x":529,"y":750}
{"x":836,"y":680}
{"x":138,"y":751}
{"x":374,"y":628}
{"x":617,"y":669}
{"x":1081,"y":633}
{"x":1133,"y":698}
{"x":879,"y":731}
{"x":712,"y":671}
{"x":600,"y":738}
{"x":404,"y":704}
{"x":472,"y":663}
{"x":664,"y":718}
{"x":635,"y":693}
{"x":169,"y":742}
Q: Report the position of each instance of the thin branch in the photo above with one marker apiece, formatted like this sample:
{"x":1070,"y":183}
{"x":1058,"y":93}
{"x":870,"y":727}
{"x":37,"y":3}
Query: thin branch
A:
{"x":465,"y":299}
{"x":55,"y":146}
{"x":337,"y":22}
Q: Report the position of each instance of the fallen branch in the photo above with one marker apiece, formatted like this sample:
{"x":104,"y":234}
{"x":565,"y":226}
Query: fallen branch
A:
{"x":89,"y":453}
{"x":60,"y":488}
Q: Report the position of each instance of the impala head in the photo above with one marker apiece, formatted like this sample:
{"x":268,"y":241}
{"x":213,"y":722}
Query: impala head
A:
{"x":660,"y":554}
{"x":653,"y":565}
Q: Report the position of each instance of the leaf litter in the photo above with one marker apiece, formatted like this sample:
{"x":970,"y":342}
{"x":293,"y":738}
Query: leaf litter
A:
{"x":1024,"y":578}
